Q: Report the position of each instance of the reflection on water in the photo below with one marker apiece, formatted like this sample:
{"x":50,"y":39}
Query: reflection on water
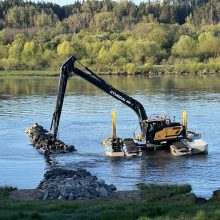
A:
{"x":181,"y":84}
{"x":86,"y":121}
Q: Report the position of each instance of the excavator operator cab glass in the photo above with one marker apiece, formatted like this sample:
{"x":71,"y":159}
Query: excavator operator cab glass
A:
{"x":168,"y":122}
{"x":155,"y":126}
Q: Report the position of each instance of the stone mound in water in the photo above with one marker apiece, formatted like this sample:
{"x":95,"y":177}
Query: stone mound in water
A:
{"x":44,"y":142}
{"x":73,"y":184}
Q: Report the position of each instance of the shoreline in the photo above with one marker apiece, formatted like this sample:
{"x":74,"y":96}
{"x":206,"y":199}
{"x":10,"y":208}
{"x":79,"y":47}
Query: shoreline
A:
{"x":155,"y":71}
{"x":148,"y":203}
{"x":138,"y":194}
{"x":125,"y":195}
{"x":32,"y":194}
{"x":122,"y":195}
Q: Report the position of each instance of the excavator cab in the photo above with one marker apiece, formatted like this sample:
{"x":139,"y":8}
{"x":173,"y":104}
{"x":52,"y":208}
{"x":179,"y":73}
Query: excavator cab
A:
{"x":153,"y":126}
{"x":162,"y":130}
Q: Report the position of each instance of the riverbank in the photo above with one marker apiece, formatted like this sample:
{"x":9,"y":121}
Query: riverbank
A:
{"x":179,"y":69}
{"x":150,"y":202}
{"x":28,"y":73}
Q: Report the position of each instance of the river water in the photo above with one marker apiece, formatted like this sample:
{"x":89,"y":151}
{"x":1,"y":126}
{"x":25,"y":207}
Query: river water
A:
{"x":86,"y":121}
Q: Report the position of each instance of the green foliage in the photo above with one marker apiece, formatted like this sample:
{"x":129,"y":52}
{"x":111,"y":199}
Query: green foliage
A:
{"x":99,"y":14}
{"x":197,"y":67}
{"x":185,"y":47}
{"x":175,"y":203}
{"x":130,"y":68}
{"x":118,"y":49}
{"x":209,"y":45}
{"x":104,"y":56}
{"x":154,"y":192}
{"x":200,"y":215}
{"x":4,"y":191}
{"x":104,"y":22}
{"x":145,"y":68}
{"x":44,"y":19}
{"x":3,"y":51}
{"x":111,"y":36}
{"x":29,"y":48}
{"x":29,"y":16}
{"x":64,"y":49}
{"x":10,"y":64}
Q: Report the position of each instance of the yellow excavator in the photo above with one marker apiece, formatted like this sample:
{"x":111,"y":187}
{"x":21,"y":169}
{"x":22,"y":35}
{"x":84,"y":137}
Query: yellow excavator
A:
{"x":159,"y":131}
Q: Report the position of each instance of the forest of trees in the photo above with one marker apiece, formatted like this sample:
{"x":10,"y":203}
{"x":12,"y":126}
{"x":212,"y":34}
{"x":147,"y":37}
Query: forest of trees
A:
{"x":111,"y":36}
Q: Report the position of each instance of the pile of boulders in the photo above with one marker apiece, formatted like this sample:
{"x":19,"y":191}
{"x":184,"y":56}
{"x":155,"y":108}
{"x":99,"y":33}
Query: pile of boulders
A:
{"x":67,"y":184}
{"x":45,"y":142}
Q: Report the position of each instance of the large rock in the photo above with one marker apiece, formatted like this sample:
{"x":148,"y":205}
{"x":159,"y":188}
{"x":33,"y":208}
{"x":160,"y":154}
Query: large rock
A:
{"x":102,"y":192}
{"x":73,"y":184}
{"x":45,"y":142}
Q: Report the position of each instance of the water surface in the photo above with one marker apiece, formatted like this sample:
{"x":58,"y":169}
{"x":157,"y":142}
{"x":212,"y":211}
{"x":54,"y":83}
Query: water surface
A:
{"x":86,"y":121}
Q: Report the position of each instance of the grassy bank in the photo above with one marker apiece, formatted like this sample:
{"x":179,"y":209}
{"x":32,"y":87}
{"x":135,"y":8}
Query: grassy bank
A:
{"x":22,"y":73}
{"x":157,"y":202}
{"x":177,"y":69}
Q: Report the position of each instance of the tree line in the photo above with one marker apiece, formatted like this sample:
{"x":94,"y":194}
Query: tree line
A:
{"x":90,"y":13}
{"x":110,"y":36}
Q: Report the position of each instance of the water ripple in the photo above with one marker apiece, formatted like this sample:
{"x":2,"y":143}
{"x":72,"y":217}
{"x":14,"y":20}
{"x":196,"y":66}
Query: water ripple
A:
{"x":86,"y":121}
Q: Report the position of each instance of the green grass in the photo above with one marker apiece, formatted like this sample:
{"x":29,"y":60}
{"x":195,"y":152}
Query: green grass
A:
{"x":199,"y":68}
{"x":150,"y":192}
{"x":159,"y":202}
{"x":192,"y":68}
{"x":4,"y":191}
{"x":22,"y":73}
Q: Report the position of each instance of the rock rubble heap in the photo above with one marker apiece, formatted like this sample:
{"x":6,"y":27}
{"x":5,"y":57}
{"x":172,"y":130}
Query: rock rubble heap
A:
{"x":44,"y":142}
{"x":73,"y":184}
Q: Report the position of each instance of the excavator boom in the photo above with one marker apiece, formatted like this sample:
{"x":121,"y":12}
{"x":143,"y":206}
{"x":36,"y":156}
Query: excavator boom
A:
{"x":68,"y":68}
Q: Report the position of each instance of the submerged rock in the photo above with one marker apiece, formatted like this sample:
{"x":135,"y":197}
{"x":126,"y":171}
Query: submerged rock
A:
{"x":45,"y":142}
{"x":66,"y":184}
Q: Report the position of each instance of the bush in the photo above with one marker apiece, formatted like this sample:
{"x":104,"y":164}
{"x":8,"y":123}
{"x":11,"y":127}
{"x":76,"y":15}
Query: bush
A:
{"x":130,"y":68}
{"x":11,"y":64}
{"x":4,"y":191}
{"x":145,"y":68}
{"x":195,"y":67}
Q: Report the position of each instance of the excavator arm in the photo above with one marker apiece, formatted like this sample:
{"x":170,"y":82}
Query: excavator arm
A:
{"x":69,"y":68}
